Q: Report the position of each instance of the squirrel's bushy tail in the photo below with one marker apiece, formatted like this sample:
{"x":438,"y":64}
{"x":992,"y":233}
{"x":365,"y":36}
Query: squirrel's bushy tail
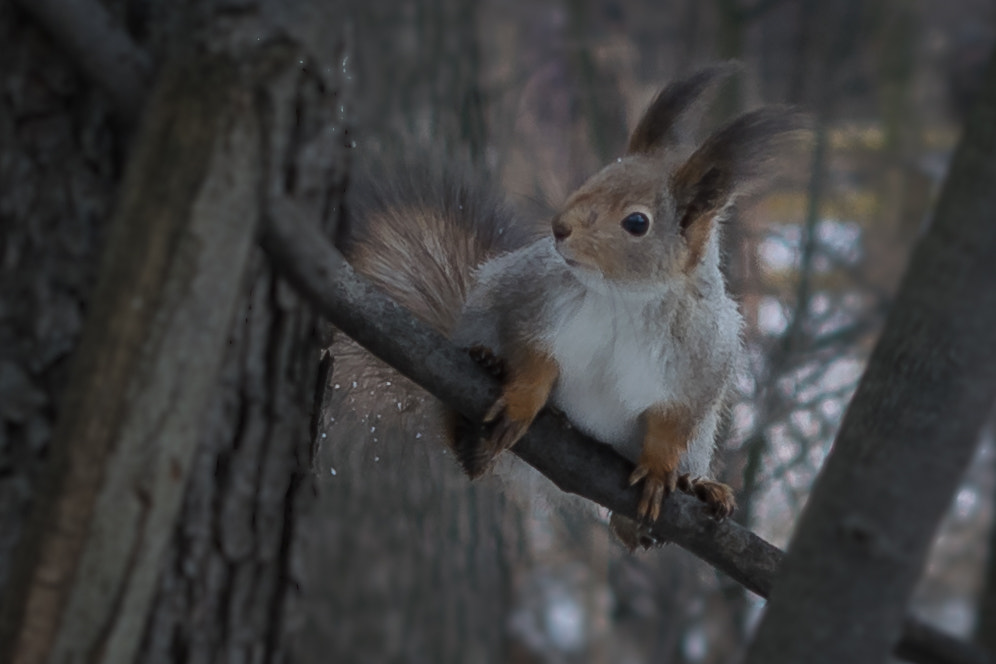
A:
{"x":418,"y":233}
{"x":421,"y":233}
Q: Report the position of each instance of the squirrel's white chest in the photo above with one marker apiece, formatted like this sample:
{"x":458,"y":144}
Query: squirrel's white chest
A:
{"x":613,"y":366}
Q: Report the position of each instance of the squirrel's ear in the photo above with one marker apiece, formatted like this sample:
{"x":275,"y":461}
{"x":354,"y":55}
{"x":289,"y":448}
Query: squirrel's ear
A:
{"x":658,"y":128}
{"x":733,"y":161}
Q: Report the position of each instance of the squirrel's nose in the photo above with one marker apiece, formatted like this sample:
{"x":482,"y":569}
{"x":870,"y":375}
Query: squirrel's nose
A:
{"x":560,"y":229}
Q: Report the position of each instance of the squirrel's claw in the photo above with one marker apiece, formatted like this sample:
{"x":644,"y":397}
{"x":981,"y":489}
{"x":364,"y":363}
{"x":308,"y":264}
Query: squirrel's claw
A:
{"x":497,"y":408}
{"x":504,"y":431}
{"x":717,"y":496}
{"x":476,"y":450}
{"x":656,"y":485}
{"x":466,"y":444}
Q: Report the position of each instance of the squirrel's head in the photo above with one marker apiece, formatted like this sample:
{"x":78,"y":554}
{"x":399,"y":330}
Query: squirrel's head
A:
{"x":651,"y":215}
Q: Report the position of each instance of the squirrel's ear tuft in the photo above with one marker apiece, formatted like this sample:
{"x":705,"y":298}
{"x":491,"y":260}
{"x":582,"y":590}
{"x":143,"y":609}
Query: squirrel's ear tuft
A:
{"x":733,"y":161}
{"x":658,"y":128}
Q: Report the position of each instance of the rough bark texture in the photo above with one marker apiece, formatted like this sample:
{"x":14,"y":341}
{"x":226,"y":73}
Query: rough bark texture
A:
{"x":147,"y":360}
{"x":58,"y":170}
{"x":905,"y":440}
{"x":228,"y":591}
{"x":232,"y":564}
{"x":412,"y":564}
{"x":275,"y":113}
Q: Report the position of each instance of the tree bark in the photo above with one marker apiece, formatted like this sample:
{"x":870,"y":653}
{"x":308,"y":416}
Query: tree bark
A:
{"x":236,"y":124}
{"x":176,"y":255}
{"x":58,"y":173}
{"x":906,"y":438}
{"x":410,"y":561}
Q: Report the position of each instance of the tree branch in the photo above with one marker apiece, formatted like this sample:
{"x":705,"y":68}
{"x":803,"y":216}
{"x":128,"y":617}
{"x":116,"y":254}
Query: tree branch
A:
{"x":575,"y":463}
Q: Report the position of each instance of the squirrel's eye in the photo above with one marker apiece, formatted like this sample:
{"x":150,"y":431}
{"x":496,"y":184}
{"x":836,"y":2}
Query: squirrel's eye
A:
{"x":636,"y":224}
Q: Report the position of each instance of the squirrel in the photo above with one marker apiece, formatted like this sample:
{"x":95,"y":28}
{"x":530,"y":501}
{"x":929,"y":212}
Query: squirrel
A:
{"x":617,"y":314}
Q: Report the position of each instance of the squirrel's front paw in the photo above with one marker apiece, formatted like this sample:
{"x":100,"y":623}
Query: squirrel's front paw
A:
{"x":657,"y":483}
{"x":504,"y":430}
{"x":717,"y":496}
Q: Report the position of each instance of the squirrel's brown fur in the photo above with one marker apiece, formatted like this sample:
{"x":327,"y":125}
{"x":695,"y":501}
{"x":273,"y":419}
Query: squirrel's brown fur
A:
{"x":420,"y":232}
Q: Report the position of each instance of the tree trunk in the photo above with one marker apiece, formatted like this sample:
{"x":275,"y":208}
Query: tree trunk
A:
{"x":236,"y":125}
{"x":411,"y":562}
{"x":58,"y":171}
{"x":907,"y":437}
{"x":232,"y":564}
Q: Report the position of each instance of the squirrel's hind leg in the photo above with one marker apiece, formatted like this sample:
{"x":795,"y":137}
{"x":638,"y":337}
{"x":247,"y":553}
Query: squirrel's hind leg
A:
{"x":530,"y":379}
{"x":524,"y":393}
{"x":466,"y":437}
